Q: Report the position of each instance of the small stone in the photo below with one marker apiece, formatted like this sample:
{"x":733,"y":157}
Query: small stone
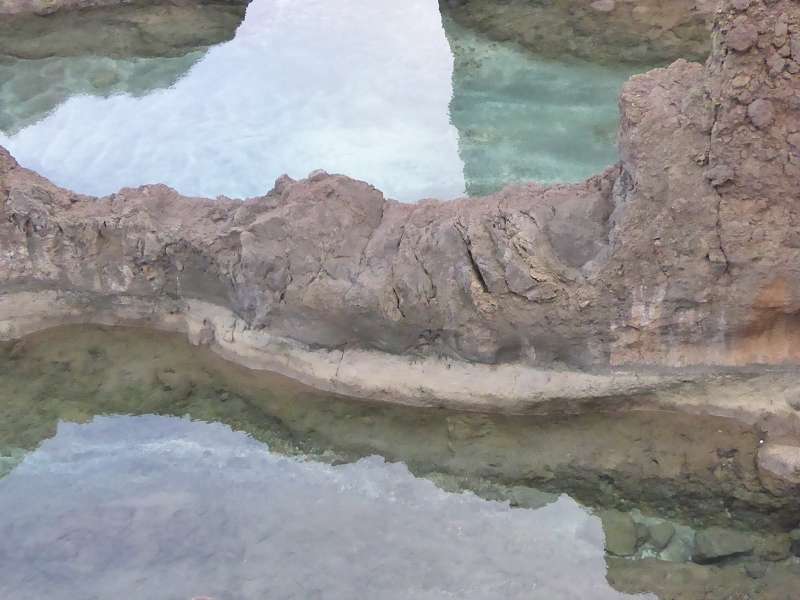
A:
{"x":620,"y":531}
{"x":716,"y":543}
{"x":741,"y":4}
{"x":526,"y":497}
{"x":661,"y":535}
{"x":743,"y":35}
{"x":761,"y":113}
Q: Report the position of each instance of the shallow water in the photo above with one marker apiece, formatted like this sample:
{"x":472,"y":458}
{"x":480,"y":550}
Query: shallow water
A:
{"x":161,"y":507}
{"x":137,"y":464}
{"x":382,"y":91}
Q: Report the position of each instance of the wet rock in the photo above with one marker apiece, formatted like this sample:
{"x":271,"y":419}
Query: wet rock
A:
{"x":755,"y":569}
{"x":526,"y":497}
{"x":781,"y":462}
{"x":679,"y":549}
{"x":717,"y":543}
{"x":773,"y":547}
{"x":642,"y":533}
{"x":794,"y":537}
{"x":661,"y":534}
{"x":646,"y":31}
{"x":620,"y":532}
{"x":177,"y":384}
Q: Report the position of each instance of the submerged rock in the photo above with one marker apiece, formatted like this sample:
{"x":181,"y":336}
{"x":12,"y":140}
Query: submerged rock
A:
{"x":661,"y":534}
{"x":620,"y":532}
{"x":717,"y":543}
{"x":645,"y":31}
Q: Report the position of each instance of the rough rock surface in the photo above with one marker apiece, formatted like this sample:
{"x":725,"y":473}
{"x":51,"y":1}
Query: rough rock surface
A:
{"x":636,"y":31}
{"x":685,"y":254}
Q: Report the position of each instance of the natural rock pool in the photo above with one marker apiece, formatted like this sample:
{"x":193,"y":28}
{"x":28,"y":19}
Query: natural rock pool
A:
{"x":391,"y":93}
{"x":136,"y":464}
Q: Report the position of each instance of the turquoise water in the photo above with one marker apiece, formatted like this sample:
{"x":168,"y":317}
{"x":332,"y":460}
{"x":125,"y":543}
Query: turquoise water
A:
{"x":382,"y":91}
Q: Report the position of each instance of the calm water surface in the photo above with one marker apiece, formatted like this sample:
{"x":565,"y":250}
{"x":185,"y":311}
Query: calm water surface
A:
{"x":383,"y":91}
{"x":163,"y":507}
{"x":133,"y":465}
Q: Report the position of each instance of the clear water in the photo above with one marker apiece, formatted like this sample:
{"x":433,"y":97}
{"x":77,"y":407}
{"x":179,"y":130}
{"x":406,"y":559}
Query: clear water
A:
{"x":135,"y":465}
{"x":168,"y":508}
{"x":379,"y":90}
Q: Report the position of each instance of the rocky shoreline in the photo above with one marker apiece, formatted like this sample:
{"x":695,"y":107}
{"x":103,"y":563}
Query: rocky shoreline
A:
{"x":668,"y":281}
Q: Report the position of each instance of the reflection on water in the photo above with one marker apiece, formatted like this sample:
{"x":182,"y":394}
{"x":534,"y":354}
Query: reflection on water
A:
{"x":268,"y":471}
{"x":362,"y":87}
{"x":161,"y":507}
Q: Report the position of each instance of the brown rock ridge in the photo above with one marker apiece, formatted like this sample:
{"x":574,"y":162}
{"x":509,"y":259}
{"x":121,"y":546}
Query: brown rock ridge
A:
{"x":684,"y":255}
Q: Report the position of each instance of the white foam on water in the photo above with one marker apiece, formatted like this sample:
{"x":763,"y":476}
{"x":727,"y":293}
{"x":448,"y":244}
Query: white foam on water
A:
{"x":166,"y":508}
{"x":359,"y":87}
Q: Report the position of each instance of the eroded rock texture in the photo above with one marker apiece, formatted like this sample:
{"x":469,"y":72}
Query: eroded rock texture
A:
{"x":685,"y":253}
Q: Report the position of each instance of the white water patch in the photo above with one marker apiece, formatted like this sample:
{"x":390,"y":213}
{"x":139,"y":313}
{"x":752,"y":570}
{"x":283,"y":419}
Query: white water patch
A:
{"x":360,"y":87}
{"x":369,"y":88}
{"x":165,"y":508}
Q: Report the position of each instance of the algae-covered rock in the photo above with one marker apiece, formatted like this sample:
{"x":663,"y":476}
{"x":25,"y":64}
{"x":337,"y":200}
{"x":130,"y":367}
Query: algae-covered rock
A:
{"x":717,"y":543}
{"x":620,"y":532}
{"x":661,"y":534}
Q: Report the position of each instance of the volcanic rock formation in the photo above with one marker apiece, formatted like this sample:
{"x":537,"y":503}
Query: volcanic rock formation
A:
{"x":683,"y":255}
